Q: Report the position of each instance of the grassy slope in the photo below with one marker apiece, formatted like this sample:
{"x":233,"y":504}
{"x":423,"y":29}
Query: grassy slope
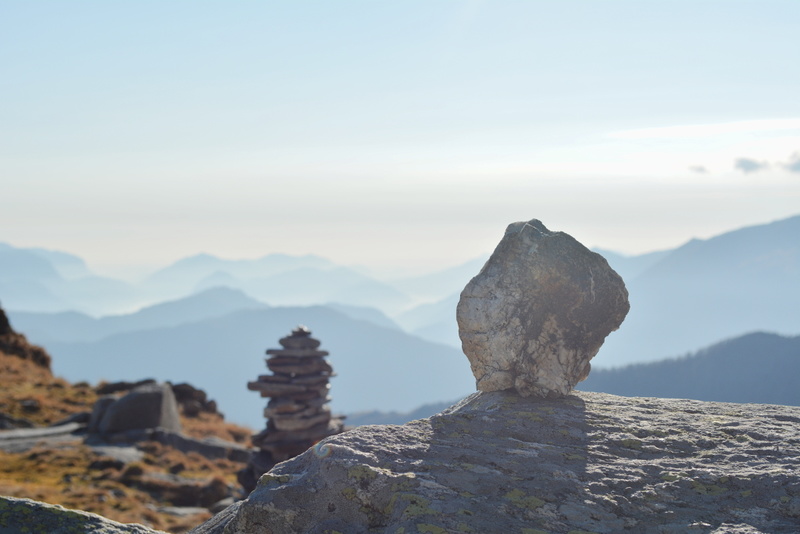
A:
{"x":74,"y":476}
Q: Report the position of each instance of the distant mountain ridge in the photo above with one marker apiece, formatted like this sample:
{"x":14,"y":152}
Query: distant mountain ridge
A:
{"x":36,"y":279}
{"x":79,"y":327}
{"x":754,"y":368}
{"x":706,"y":290}
{"x":741,"y":281}
{"x":378,"y":368}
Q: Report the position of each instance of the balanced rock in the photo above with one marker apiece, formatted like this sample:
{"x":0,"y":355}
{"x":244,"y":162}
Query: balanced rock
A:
{"x":538,"y":311}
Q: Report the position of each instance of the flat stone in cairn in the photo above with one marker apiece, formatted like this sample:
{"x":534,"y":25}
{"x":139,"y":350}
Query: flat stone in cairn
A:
{"x":298,"y":414}
{"x":538,"y":311}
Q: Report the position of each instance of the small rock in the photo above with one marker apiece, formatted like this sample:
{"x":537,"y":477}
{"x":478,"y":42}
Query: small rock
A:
{"x":538,"y":311}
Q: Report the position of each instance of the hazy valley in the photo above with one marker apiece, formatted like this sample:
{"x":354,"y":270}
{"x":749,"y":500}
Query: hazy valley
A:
{"x":393,"y":343}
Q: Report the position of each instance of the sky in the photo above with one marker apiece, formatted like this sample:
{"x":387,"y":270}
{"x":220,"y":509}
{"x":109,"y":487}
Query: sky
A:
{"x":401,"y":136}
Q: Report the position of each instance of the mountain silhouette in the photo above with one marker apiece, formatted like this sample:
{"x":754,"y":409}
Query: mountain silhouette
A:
{"x":707,"y":290}
{"x":183,"y":276}
{"x":754,"y":368}
{"x":78,"y":327}
{"x":44,"y":280}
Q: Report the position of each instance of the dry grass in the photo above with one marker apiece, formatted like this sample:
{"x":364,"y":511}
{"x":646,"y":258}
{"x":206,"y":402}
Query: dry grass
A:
{"x":74,"y":476}
{"x":30,"y":391}
{"x":207,"y":424}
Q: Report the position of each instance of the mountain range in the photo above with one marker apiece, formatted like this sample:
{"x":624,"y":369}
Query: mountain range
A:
{"x":707,"y":290}
{"x":682,"y":299}
{"x":391,"y":335}
{"x":378,"y":367}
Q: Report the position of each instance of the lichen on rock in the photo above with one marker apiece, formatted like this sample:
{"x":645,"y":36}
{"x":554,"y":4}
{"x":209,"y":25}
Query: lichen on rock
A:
{"x":33,"y":517}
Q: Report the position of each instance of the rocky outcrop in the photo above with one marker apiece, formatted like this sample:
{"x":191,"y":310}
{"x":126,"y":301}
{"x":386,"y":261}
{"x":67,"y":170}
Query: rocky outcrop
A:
{"x":538,"y":311}
{"x":498,"y":462}
{"x":15,"y":344}
{"x":25,"y":515}
{"x":5,"y":326}
{"x":192,"y":401}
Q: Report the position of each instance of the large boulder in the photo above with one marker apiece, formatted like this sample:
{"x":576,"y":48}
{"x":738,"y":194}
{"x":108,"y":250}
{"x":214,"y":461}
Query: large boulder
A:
{"x":25,"y":515}
{"x":149,"y":405}
{"x":499,"y":462}
{"x":538,"y":311}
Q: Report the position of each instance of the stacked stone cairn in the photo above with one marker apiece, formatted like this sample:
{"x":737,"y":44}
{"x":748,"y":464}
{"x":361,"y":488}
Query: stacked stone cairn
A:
{"x":298,"y":415}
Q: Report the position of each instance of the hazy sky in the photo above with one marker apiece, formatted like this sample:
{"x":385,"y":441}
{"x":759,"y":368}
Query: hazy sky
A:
{"x":402,"y":134}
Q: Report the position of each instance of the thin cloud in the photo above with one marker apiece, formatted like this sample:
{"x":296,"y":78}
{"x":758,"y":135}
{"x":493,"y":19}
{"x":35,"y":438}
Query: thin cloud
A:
{"x":699,"y":169}
{"x":747,"y":165}
{"x":694,"y":131}
{"x":794,"y":163}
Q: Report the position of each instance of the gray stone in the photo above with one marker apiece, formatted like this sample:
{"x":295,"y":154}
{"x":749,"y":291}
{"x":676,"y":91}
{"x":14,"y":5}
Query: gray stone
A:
{"x":538,"y":311}
{"x":25,"y":515}
{"x":98,"y":411}
{"x":498,"y":462}
{"x":146,"y":406}
{"x":294,"y":423}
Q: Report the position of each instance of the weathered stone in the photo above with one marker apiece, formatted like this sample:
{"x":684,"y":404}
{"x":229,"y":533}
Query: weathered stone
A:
{"x":498,"y":462}
{"x":302,"y":411}
{"x":284,"y":406}
{"x":25,"y":515}
{"x":147,"y":406}
{"x":310,"y":393}
{"x":295,"y":423}
{"x":275,"y":390}
{"x":298,"y":353}
{"x":538,"y":311}
{"x":300,"y":339}
{"x":316,"y":432}
{"x":300,"y":366}
{"x":275,"y":379}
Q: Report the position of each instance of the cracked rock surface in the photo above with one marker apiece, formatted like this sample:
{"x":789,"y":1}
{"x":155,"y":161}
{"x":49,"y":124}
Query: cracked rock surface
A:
{"x":538,"y":311}
{"x":498,"y":462}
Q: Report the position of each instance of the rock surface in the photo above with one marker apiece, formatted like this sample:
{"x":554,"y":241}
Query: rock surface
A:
{"x":25,"y":515}
{"x":538,"y":311}
{"x":498,"y":462}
